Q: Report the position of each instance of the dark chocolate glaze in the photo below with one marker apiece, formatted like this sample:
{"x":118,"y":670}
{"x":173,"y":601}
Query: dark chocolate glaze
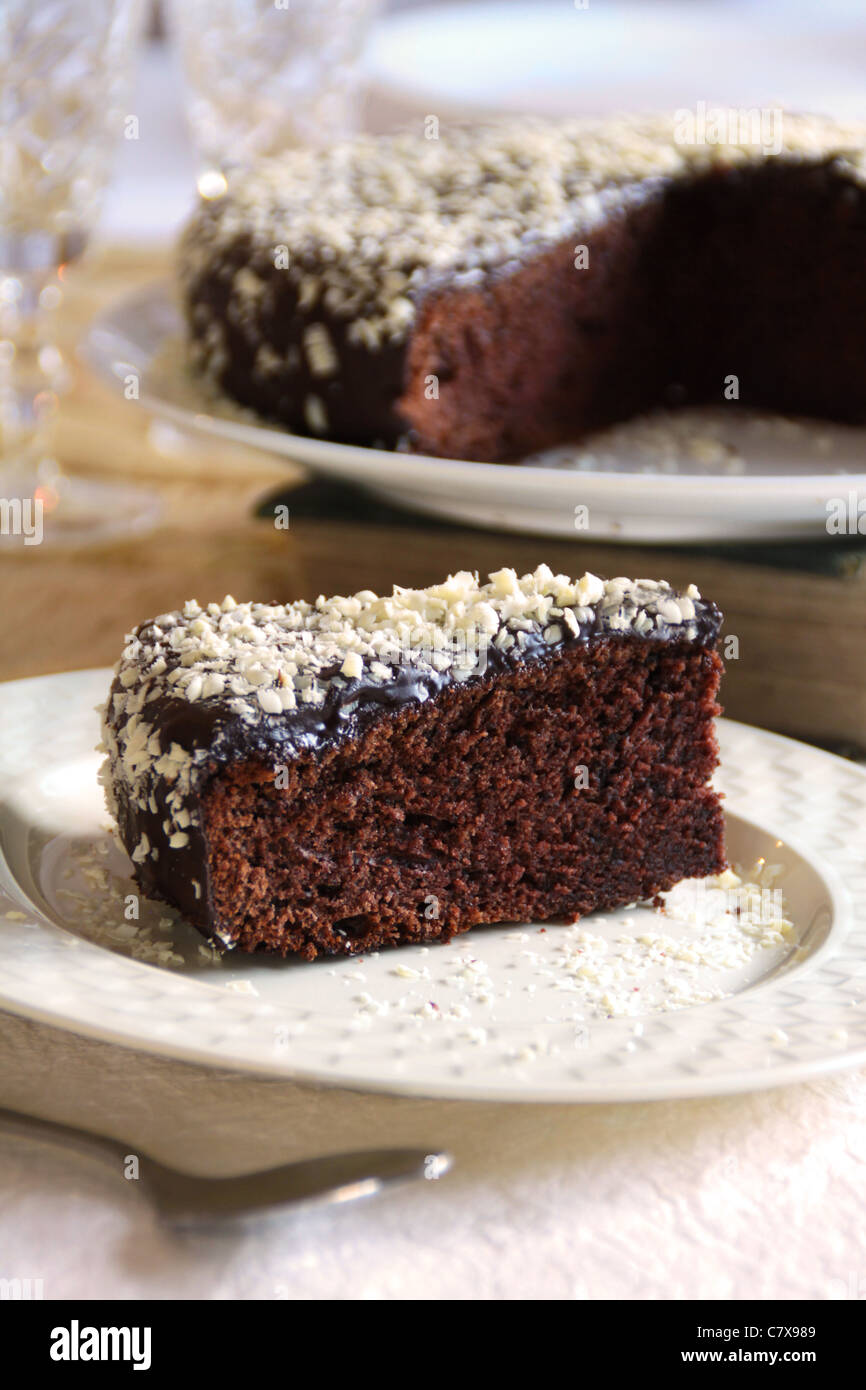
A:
{"x":360,"y":398}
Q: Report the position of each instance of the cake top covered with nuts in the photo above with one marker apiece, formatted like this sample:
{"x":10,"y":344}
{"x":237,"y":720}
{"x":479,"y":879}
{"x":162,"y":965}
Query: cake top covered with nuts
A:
{"x":262,"y":660}
{"x":365,"y":225}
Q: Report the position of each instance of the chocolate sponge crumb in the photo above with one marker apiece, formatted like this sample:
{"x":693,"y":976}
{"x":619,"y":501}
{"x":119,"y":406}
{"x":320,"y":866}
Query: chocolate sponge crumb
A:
{"x":553,"y":790}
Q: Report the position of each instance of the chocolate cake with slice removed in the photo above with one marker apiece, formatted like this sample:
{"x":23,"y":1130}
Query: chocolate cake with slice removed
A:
{"x":506,"y":288}
{"x":360,"y":772}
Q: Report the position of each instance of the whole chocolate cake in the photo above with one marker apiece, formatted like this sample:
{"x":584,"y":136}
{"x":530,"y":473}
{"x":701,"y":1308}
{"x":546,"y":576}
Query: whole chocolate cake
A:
{"x":363,"y":771}
{"x":495,"y":291}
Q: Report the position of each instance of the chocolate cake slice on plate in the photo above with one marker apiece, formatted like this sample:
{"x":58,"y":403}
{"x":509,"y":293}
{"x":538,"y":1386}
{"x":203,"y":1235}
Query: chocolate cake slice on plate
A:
{"x":331,"y":778}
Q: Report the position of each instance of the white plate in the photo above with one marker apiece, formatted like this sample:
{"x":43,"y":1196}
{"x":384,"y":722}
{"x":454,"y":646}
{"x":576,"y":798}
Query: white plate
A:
{"x":623,"y":485}
{"x":791,"y":1011}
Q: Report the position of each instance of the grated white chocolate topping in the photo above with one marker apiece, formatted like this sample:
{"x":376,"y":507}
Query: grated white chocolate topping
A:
{"x":362,"y":228}
{"x":265,"y":659}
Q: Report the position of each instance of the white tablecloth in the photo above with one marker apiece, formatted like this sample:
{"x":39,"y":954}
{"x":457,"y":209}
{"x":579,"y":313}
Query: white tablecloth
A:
{"x":744,"y":1196}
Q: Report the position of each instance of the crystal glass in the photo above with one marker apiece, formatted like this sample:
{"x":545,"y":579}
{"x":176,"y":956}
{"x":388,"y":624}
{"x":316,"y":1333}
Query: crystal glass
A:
{"x":264,"y":75}
{"x":65,"y":67}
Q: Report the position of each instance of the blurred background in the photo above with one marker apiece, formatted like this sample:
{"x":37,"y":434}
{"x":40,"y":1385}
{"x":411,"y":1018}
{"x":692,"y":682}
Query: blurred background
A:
{"x":456,"y":58}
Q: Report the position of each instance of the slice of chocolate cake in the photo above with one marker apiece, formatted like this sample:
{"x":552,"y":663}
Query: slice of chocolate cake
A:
{"x":365,"y":771}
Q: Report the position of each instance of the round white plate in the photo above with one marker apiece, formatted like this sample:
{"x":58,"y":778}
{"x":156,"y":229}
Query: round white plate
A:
{"x":697,"y":475}
{"x":500,"y":1014}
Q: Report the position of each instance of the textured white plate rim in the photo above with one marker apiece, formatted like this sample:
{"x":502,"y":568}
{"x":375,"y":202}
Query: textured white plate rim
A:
{"x":686,"y":1088}
{"x":384,"y":464}
{"x":136,"y":1036}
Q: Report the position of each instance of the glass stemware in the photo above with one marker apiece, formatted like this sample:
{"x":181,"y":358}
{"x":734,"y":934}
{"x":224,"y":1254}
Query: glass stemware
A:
{"x":65,"y":67}
{"x":265,"y":75}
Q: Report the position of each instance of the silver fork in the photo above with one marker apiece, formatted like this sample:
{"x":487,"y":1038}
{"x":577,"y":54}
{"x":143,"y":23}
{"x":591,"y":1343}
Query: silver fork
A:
{"x":186,"y":1202}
